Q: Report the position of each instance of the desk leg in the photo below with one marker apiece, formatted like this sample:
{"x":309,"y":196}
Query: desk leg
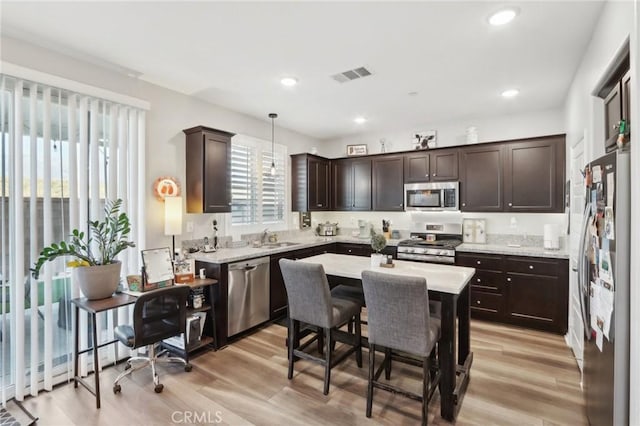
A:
{"x":463,"y":325}
{"x":96,"y":368}
{"x":446,"y":353}
{"x":76,"y":345}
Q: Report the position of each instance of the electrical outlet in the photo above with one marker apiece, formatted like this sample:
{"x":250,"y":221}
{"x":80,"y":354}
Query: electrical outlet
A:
{"x":189,"y":226}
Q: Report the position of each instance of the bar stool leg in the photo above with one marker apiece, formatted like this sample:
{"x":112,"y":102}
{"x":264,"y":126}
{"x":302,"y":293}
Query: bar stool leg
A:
{"x":387,"y":363}
{"x":358,"y":342}
{"x":291,"y":346}
{"x":372,"y":358}
{"x":327,"y":371}
{"x":426,"y":375}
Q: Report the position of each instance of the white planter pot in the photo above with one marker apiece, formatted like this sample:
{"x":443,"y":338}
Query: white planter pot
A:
{"x":377,"y":259}
{"x":98,"y":282}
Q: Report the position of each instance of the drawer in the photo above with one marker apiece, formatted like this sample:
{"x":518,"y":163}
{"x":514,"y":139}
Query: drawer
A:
{"x":489,"y":303}
{"x":536,"y":266}
{"x":480,"y":261}
{"x":488,"y":281}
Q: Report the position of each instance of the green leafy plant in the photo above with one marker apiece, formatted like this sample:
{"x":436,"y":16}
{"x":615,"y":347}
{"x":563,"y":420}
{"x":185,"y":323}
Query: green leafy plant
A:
{"x":378,"y":241}
{"x":108,"y":237}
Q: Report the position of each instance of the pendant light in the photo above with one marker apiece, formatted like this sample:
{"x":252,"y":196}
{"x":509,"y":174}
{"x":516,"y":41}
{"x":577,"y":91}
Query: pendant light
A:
{"x":273,"y":116}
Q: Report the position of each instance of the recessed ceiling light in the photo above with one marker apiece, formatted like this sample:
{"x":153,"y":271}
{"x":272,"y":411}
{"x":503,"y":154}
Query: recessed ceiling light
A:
{"x":510,"y":93}
{"x":502,"y":17}
{"x":360,"y":120}
{"x":289,"y":81}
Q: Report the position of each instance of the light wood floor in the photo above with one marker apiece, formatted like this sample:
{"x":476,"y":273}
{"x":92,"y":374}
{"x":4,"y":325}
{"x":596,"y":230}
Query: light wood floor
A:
{"x":519,"y":377}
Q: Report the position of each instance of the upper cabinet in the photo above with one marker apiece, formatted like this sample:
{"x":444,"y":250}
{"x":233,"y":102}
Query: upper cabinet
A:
{"x":425,"y":166}
{"x":388,"y":183}
{"x":208,"y":157}
{"x":351,"y":184}
{"x":616,"y":92}
{"x":482,"y":178}
{"x":444,"y":165}
{"x":534,"y":175}
{"x":310,"y":181}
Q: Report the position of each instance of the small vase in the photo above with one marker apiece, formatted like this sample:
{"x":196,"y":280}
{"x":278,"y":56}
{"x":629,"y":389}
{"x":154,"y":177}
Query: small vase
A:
{"x":376,"y":259}
{"x":100,"y":281}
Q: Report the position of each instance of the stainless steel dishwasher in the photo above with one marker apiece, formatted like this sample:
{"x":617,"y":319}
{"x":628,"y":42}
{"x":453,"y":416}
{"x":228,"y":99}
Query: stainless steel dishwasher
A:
{"x":248,"y":294}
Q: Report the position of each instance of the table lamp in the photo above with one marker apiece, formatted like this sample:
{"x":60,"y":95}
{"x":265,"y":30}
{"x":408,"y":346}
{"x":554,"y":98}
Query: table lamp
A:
{"x":173,"y":219}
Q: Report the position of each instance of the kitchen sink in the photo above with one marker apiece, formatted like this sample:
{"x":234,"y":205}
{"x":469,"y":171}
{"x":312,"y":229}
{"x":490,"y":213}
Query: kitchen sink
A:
{"x":279,"y":245}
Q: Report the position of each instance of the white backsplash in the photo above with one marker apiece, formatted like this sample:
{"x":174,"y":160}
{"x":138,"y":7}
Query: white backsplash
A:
{"x":525,"y":224}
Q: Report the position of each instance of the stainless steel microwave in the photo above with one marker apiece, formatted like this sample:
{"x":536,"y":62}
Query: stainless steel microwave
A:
{"x":432,"y":196}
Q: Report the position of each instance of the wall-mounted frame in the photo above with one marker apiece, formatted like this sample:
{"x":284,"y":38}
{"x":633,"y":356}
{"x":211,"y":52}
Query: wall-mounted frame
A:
{"x":357,"y":149}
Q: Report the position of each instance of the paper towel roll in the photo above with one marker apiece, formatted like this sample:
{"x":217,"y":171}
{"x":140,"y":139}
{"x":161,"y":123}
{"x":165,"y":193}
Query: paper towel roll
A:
{"x":552,"y":237}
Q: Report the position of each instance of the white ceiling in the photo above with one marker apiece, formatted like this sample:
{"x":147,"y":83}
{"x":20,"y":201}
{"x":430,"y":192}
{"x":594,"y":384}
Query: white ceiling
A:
{"x":234,"y":53}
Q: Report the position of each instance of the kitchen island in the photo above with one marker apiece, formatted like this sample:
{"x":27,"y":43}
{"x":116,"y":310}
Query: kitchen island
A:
{"x":451,"y":285}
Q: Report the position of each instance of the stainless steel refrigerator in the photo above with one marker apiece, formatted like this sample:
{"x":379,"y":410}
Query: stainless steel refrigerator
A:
{"x":603,"y":277}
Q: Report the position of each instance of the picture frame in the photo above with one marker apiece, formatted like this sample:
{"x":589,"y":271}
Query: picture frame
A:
{"x":354,"y":150}
{"x":184,"y":270}
{"x":158,"y":268}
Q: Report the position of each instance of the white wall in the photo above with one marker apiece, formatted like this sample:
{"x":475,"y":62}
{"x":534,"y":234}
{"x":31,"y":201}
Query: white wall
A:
{"x":450,"y":133}
{"x":170,"y":113}
{"x":583,"y":117}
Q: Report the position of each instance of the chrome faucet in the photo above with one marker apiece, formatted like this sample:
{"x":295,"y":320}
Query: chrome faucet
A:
{"x":263,"y":239}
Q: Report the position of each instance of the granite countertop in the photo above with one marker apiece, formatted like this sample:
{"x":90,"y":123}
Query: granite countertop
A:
{"x":227,"y":255}
{"x":533,"y":251}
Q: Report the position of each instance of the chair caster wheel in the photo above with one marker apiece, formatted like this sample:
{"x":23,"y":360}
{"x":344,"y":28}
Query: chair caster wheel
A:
{"x":188,"y":368}
{"x":116,"y":389}
{"x":158,"y":388}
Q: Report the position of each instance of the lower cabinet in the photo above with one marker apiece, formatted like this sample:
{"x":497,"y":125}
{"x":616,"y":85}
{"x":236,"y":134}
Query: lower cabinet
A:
{"x":277,"y":292}
{"x":364,"y":249}
{"x":525,"y":291}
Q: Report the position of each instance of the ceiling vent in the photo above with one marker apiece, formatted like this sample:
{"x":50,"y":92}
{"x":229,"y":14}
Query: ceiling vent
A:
{"x":350,"y":75}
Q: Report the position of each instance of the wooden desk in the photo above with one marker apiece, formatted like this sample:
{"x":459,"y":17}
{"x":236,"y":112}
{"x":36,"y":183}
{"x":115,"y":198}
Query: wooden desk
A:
{"x":93,"y":307}
{"x":451,"y":284}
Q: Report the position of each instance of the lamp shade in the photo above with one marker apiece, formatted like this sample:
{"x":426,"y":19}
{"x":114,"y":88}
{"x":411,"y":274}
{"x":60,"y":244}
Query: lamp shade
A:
{"x":173,"y":216}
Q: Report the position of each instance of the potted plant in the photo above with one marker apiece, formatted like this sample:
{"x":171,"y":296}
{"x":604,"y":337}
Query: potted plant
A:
{"x":378,"y":242}
{"x":98,"y":271}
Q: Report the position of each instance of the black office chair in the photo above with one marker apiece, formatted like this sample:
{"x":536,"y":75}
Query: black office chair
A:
{"x":157,"y":315}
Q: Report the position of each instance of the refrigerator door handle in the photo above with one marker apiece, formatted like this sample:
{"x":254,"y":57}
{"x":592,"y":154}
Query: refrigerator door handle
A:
{"x":583,"y":274}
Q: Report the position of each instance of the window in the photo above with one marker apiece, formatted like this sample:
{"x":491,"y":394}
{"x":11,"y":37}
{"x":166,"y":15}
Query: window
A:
{"x":258,"y":198}
{"x":61,"y":154}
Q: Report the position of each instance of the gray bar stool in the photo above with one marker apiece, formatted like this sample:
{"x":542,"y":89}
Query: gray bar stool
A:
{"x":310,"y":302}
{"x":399,"y":320}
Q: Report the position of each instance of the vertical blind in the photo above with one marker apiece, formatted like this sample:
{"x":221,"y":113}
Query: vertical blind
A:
{"x":62,"y":155}
{"x":257,"y":197}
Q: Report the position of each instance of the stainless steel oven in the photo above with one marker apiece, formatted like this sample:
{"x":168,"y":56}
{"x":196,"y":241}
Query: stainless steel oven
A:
{"x":431,"y":196}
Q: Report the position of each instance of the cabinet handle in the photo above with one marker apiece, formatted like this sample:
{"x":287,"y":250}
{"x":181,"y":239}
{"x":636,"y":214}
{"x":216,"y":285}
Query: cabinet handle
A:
{"x":401,"y":204}
{"x":530,"y":266}
{"x":349,"y":251}
{"x":510,"y":204}
{"x":434,"y":174}
{"x":509,"y":279}
{"x":477,"y":302}
{"x":319,"y":205}
{"x":427,"y":175}
{"x":229,"y":203}
{"x":478,"y":280}
{"x":478,"y":262}
{"x":464,"y":204}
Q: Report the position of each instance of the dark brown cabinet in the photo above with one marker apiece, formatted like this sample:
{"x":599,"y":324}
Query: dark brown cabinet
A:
{"x":310,"y":181}
{"x":438,"y":165}
{"x":444,"y":165}
{"x":363,"y":249}
{"x":388,"y":183}
{"x":208,"y":159}
{"x":526,"y":291}
{"x":416,"y":167}
{"x":278,"y":301}
{"x":482,"y":178}
{"x":487,"y":285}
{"x":537,"y":292}
{"x":351,"y":184}
{"x":616,"y":93}
{"x":534,"y":175}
